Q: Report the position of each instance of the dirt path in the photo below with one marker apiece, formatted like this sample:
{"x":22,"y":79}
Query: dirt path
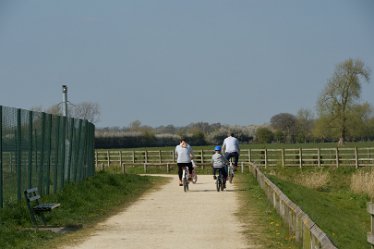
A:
{"x":170,"y":218}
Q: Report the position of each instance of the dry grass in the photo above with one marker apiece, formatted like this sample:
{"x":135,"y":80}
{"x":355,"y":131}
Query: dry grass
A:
{"x":363,"y":183}
{"x":314,"y":180}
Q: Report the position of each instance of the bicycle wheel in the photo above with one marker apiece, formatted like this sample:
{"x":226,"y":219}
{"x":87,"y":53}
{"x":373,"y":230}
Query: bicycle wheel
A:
{"x":194,"y":177}
{"x":230,"y":172}
{"x":185,"y":184}
{"x":222,"y":185}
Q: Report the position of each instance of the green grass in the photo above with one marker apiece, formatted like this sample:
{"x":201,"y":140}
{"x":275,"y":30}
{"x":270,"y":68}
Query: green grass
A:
{"x":263,"y":226}
{"x":85,"y":203}
{"x":340,"y":213}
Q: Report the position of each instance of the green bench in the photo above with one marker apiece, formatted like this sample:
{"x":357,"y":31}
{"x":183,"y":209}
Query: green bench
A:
{"x":36,"y":208}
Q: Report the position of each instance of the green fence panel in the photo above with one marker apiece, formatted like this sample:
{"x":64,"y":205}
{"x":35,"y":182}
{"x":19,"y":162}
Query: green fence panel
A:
{"x":42,"y":150}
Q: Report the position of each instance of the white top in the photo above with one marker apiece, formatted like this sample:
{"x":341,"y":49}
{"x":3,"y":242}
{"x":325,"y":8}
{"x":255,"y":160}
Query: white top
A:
{"x":184,"y":152}
{"x":230,"y":144}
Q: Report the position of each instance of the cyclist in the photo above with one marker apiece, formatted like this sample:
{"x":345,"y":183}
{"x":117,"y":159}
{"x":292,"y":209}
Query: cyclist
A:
{"x":219,"y":163}
{"x":184,"y":156}
{"x":231,"y":148}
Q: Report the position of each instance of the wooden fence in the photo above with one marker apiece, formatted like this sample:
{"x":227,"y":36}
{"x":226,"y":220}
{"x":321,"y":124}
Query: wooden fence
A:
{"x":300,"y":157}
{"x":370,"y":236}
{"x":300,"y":225}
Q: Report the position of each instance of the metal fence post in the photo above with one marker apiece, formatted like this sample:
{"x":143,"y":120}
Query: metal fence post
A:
{"x":1,"y":159}
{"x":18,"y":154}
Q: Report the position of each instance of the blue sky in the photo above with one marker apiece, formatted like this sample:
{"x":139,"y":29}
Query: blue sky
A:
{"x":176,"y":62}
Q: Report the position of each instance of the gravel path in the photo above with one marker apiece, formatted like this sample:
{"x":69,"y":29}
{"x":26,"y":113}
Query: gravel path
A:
{"x":170,"y":218}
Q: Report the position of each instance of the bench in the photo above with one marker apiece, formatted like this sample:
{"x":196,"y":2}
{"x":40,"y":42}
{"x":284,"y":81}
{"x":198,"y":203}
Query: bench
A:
{"x":36,"y":208}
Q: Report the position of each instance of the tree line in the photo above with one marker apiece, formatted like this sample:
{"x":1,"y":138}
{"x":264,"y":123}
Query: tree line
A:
{"x":340,"y":116}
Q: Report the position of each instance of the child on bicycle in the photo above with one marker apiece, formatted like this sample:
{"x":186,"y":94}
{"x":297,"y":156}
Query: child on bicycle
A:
{"x":219,"y":163}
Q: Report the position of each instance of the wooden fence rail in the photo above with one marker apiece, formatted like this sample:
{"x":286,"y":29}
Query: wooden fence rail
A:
{"x":300,"y":157}
{"x":300,"y":225}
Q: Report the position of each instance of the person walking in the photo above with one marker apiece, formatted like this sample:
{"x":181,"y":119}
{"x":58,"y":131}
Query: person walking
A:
{"x":184,"y":155}
{"x":231,"y":149}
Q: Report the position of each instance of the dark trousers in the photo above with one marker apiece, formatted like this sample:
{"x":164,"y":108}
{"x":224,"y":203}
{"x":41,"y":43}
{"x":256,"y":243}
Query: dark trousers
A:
{"x":234,"y":155}
{"x":181,"y":167}
{"x":220,"y":171}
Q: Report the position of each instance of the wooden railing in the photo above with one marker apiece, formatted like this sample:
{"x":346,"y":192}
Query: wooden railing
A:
{"x":300,"y":157}
{"x":370,"y":236}
{"x":300,"y":225}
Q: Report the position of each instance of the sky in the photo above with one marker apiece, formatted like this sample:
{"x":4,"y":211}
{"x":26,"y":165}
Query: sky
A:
{"x":177,"y":62}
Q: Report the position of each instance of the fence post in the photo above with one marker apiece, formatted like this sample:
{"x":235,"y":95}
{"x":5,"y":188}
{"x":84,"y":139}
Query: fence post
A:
{"x":266,"y":158}
{"x":356,"y":158}
{"x":337,"y":157}
{"x":1,"y":158}
{"x":300,"y":158}
{"x":249,"y":155}
{"x":108,"y":157}
{"x":159,"y":155}
{"x":120,"y":157}
{"x":146,"y":156}
{"x":123,"y":167}
{"x":283,"y":159}
{"x":370,"y":236}
{"x":18,"y":154}
{"x":319,"y":157}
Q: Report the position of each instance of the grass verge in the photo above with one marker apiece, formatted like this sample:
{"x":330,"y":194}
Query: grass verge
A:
{"x":263,"y":226}
{"x":85,"y":203}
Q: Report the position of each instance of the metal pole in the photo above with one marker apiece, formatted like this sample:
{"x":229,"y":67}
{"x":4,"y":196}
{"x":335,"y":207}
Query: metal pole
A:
{"x":65,"y":100}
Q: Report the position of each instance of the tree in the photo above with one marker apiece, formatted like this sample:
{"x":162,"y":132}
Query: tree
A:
{"x":87,"y":110}
{"x":286,"y":123}
{"x":341,"y":93}
{"x":264,"y":135}
{"x":304,"y":125}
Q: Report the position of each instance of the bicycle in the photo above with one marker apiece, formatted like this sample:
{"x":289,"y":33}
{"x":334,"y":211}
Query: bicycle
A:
{"x":185,"y":176}
{"x":194,"y":174}
{"x":230,"y":171}
{"x":220,"y":185}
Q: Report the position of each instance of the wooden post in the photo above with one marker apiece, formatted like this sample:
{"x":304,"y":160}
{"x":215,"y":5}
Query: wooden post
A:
{"x":120,"y":157}
{"x":123,"y":167}
{"x":108,"y":157}
{"x":319,"y":157}
{"x":146,"y":156}
{"x":283,"y":159}
{"x":370,"y":236}
{"x":96,"y":158}
{"x":145,"y":168}
{"x":159,"y":155}
{"x":266,"y":158}
{"x":133,"y":156}
{"x":249,"y":155}
{"x":337,"y":157}
{"x":300,"y":158}
{"x":167,"y":168}
{"x":356,"y":158}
